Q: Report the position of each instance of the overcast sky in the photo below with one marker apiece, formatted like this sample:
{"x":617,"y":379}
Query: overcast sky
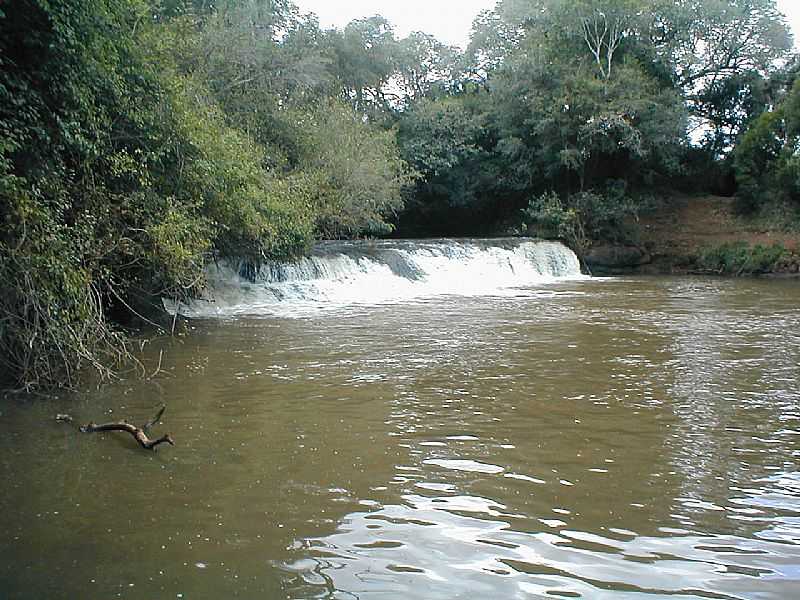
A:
{"x":448,"y":20}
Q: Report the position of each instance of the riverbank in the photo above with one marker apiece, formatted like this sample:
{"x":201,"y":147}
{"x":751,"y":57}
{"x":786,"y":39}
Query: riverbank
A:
{"x":700,"y":234}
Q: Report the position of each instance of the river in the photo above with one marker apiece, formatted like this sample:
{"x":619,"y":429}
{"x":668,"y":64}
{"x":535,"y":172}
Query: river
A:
{"x":478,"y":422}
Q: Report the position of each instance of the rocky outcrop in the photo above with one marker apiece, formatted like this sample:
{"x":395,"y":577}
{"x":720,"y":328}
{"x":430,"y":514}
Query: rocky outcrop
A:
{"x":608,"y":256}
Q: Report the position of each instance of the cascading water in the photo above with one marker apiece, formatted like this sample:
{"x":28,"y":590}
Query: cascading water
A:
{"x":377,"y":272}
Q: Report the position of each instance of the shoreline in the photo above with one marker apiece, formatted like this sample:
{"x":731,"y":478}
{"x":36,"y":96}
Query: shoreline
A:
{"x":700,"y":235}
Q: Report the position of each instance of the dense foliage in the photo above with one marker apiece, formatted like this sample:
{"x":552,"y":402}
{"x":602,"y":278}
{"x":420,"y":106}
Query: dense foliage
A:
{"x":126,"y":164}
{"x":141,"y":139}
{"x":741,"y":258}
{"x":580,"y":109}
{"x":766,"y":159}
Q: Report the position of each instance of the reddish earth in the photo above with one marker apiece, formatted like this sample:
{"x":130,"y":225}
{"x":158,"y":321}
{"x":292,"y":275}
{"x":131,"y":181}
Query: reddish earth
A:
{"x":682,"y":227}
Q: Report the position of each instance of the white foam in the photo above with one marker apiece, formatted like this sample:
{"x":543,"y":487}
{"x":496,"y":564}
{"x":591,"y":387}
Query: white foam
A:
{"x":370,"y":273}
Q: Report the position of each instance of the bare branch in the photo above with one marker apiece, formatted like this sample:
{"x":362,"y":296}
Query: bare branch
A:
{"x":138,"y":433}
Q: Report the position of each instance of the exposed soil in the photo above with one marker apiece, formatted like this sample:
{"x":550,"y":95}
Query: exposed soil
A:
{"x":678,"y":231}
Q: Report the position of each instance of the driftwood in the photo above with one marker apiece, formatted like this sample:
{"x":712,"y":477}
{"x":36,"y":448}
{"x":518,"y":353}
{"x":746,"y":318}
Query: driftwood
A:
{"x":139,"y":433}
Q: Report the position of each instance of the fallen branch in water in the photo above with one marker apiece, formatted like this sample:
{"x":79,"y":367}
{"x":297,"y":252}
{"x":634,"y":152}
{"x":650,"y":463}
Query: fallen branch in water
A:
{"x":139,"y":433}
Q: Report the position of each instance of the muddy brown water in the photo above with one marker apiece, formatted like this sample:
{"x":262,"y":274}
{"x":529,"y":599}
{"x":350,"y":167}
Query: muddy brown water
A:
{"x":619,"y":438}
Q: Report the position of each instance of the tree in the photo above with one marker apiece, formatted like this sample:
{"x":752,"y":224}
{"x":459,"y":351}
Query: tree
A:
{"x":425,"y":64}
{"x":356,"y":171}
{"x":283,"y":92}
{"x":119,"y":181}
{"x":715,"y":53}
{"x":365,"y":61}
{"x":767,"y":160}
{"x":445,"y":142}
{"x":720,"y":52}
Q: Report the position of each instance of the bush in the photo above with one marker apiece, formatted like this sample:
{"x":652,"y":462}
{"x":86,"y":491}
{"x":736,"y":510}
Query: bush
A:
{"x":583,"y":217}
{"x":740,"y":258}
{"x":549,"y":217}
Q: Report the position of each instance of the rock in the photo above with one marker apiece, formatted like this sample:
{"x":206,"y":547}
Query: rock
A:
{"x":616,"y":257}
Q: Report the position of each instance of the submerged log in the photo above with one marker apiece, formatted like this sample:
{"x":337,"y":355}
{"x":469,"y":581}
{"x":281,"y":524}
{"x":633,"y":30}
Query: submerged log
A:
{"x":138,"y":433}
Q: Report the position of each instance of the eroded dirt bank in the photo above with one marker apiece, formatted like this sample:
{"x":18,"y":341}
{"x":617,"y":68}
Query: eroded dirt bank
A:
{"x":682,"y":234}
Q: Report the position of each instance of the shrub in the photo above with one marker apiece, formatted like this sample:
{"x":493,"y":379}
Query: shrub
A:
{"x":740,"y":258}
{"x":583,"y":217}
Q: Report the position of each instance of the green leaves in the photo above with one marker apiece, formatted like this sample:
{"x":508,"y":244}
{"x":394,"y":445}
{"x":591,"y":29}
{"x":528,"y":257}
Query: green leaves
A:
{"x":583,"y":217}
{"x":358,"y":172}
{"x":766,"y":160}
{"x":741,"y":258}
{"x":119,"y":180}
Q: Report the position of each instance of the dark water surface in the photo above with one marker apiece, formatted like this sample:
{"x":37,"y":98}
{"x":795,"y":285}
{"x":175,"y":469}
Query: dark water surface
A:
{"x":589,"y":439}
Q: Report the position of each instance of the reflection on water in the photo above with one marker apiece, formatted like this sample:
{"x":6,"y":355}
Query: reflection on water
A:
{"x":592,"y":439}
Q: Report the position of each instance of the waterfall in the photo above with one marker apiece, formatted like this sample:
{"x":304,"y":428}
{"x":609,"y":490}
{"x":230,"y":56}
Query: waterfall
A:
{"x":378,"y":272}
